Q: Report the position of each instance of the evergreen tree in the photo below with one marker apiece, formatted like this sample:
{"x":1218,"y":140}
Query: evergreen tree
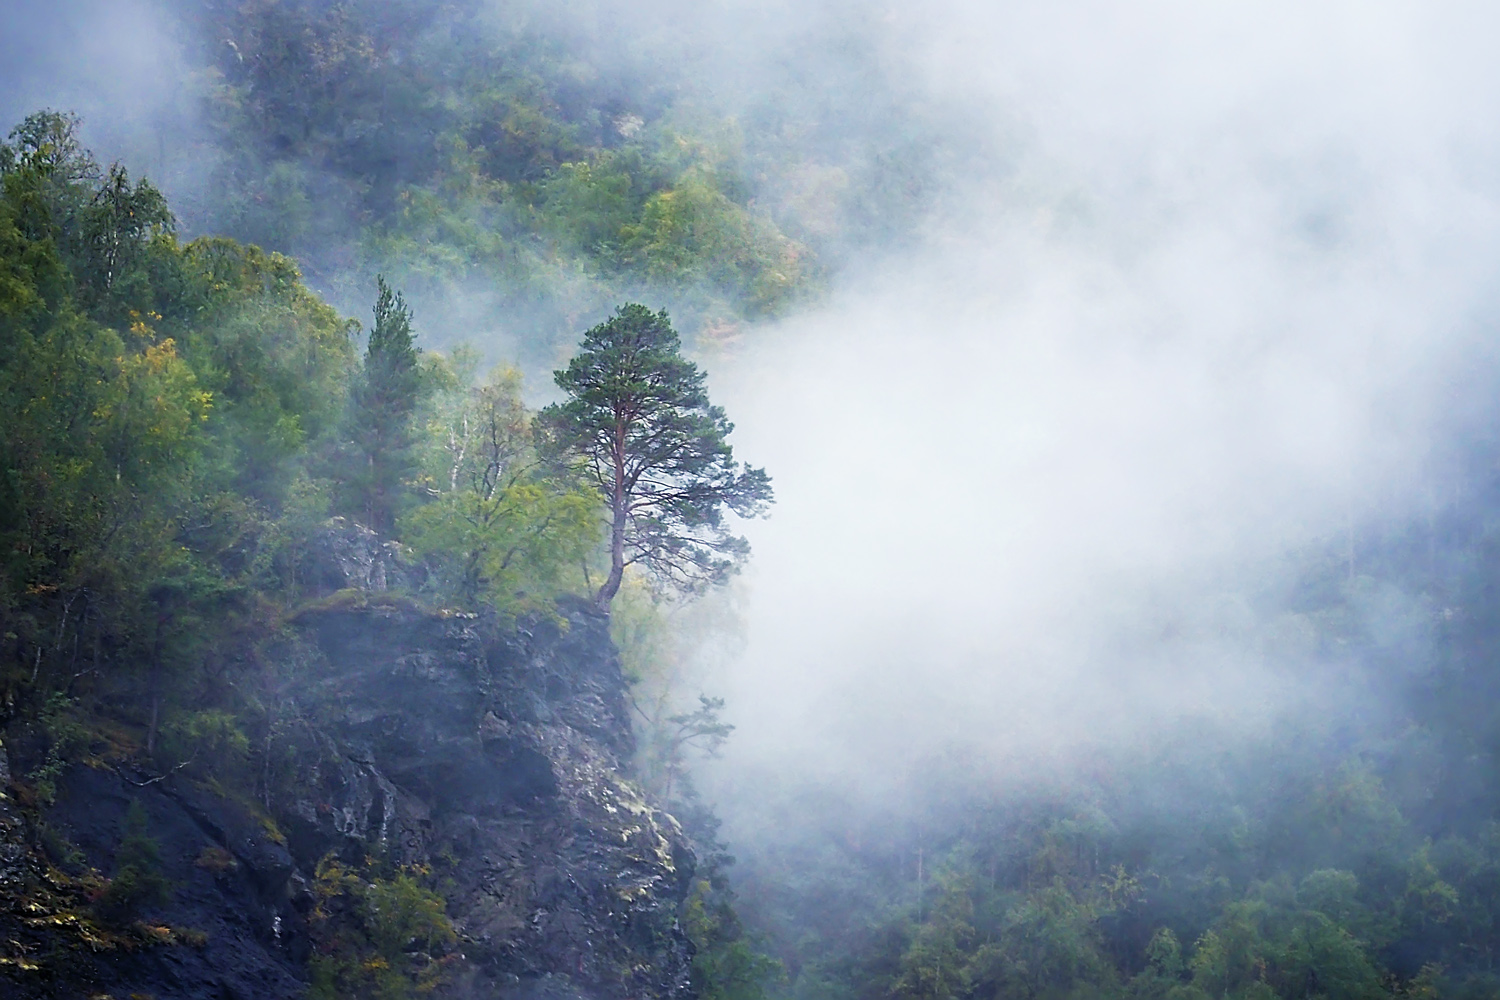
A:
{"x":651,"y":443}
{"x":380,"y":433}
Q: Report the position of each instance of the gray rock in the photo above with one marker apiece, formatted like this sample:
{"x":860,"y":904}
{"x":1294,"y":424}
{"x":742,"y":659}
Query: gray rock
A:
{"x":437,"y":736}
{"x":346,"y":555}
{"x":14,"y":858}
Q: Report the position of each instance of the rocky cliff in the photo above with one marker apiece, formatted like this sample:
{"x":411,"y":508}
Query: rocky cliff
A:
{"x":480,"y":763}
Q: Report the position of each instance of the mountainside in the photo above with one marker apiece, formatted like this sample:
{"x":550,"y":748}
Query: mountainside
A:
{"x":1134,"y":633}
{"x":419,"y":763}
{"x":519,"y":168}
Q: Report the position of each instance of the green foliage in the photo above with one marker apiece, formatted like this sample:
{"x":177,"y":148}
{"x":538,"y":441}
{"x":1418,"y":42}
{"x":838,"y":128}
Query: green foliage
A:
{"x":662,"y":645}
{"x":936,"y":964}
{"x":211,"y":739}
{"x":669,"y":649}
{"x":183,"y":420}
{"x":379,"y":457}
{"x":61,"y":851}
{"x":725,"y":965}
{"x":665,"y":741}
{"x":502,"y":528}
{"x":171,"y":409}
{"x":112,"y":243}
{"x":456,"y":150}
{"x":1331,"y":857}
{"x":693,"y":233}
{"x":1034,"y":908}
{"x":276,"y":357}
{"x":160,"y":398}
{"x":686,"y":232}
{"x":377,"y":937}
{"x":639,"y":421}
{"x":138,"y":880}
{"x":66,"y":740}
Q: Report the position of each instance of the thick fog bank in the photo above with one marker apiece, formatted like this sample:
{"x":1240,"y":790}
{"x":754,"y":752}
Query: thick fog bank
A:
{"x":1200,"y":291}
{"x":1044,"y":483}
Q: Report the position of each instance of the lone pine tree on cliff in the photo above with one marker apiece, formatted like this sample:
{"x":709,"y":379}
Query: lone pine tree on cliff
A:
{"x":652,"y":444}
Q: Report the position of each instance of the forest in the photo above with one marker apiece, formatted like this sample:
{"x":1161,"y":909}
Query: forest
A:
{"x":393,"y":216}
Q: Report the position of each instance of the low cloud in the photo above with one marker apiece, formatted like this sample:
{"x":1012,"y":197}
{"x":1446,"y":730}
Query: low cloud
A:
{"x":1044,"y":480}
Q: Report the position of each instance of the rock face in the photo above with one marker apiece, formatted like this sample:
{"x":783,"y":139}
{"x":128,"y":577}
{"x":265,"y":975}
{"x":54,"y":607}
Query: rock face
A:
{"x":434,"y":737}
{"x":492,"y":758}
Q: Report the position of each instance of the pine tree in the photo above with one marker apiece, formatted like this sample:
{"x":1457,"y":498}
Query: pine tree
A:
{"x":382,"y":404}
{"x":638,"y":416}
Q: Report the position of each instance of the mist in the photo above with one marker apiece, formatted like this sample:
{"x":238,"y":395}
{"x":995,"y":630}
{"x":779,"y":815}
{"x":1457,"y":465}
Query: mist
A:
{"x":1042,"y":478}
{"x":1126,"y":379}
{"x":120,"y":67}
{"x":1189,"y":291}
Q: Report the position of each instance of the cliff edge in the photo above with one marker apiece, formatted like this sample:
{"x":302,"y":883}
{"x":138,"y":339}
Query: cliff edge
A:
{"x":453,"y":757}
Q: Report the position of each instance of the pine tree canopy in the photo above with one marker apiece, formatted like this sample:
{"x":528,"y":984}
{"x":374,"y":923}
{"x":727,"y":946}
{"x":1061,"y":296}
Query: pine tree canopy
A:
{"x":639,"y":418}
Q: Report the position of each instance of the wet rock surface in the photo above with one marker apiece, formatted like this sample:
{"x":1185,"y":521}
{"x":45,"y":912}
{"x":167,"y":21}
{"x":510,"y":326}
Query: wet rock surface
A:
{"x":494,"y":757}
{"x":491,"y":757}
{"x":345,"y":555}
{"x":216,"y":936}
{"x":13,"y":855}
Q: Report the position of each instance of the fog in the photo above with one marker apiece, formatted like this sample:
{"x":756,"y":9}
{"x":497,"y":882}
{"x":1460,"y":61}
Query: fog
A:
{"x":1126,"y":620}
{"x":1040,"y":480}
{"x":117,"y":65}
{"x":1197,"y":290}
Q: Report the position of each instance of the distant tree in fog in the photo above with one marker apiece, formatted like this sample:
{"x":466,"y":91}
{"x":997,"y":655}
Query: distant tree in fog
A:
{"x":380,"y":433}
{"x":653,"y":445}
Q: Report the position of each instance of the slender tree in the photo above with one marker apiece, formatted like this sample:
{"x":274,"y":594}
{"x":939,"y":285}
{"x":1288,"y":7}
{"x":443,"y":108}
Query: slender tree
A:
{"x":381,"y":415}
{"x":639,"y":417}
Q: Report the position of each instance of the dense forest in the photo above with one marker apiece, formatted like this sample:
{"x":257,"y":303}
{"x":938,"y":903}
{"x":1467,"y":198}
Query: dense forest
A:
{"x":518,"y":170}
{"x":389,"y":210}
{"x":184,"y":418}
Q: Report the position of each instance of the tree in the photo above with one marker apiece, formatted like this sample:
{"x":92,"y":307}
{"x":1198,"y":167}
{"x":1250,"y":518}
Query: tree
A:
{"x":49,"y":176}
{"x":664,"y":757}
{"x":111,"y":243}
{"x":381,"y":417}
{"x":498,"y":528}
{"x":651,"y":443}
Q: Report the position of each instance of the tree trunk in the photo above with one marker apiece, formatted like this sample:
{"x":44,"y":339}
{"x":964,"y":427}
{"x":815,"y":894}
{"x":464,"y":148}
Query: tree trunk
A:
{"x":611,"y":585}
{"x":619,"y":507}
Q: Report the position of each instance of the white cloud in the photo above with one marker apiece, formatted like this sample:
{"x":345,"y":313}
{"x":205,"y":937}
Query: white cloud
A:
{"x":1212,"y":305}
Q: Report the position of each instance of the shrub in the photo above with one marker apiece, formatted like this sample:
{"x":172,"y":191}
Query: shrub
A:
{"x":138,"y":879}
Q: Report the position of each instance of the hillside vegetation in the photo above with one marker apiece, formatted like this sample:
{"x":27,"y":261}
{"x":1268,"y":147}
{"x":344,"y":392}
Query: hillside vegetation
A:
{"x":1352,"y":850}
{"x":183,"y":416}
{"x":183,"y":421}
{"x":519,"y":169}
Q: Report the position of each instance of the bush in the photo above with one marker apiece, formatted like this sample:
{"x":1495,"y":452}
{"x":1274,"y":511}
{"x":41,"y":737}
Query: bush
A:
{"x":376,"y":937}
{"x":138,"y":880}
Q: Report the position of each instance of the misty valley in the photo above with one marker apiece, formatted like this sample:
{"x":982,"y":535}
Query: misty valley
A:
{"x":749,"y":501}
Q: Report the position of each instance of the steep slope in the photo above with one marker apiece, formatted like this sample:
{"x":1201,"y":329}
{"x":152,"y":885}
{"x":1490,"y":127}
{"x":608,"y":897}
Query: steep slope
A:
{"x":410,"y":751}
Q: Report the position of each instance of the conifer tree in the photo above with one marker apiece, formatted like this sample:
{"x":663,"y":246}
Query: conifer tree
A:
{"x":382,"y":405}
{"x":652,"y":444}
